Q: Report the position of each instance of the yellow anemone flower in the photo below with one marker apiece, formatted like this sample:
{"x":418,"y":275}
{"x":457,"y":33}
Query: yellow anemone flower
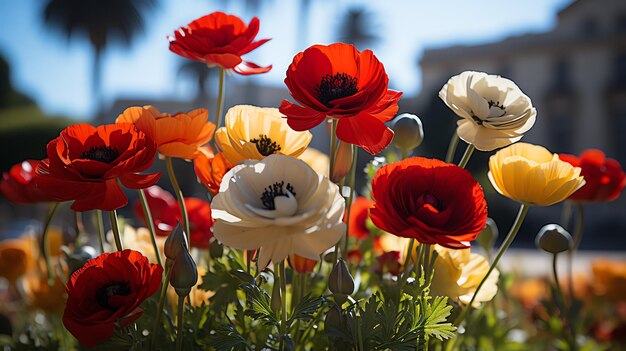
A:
{"x":532,"y":175}
{"x":252,"y":133}
{"x":458,"y":274}
{"x":179,"y":135}
{"x":316,"y":159}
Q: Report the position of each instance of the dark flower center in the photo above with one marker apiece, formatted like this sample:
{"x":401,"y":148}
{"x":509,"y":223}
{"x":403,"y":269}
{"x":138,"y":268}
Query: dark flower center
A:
{"x":265,"y":145}
{"x":274,"y":190}
{"x":336,"y":86}
{"x":432,"y":201}
{"x":114,"y":288}
{"x":106,"y":154}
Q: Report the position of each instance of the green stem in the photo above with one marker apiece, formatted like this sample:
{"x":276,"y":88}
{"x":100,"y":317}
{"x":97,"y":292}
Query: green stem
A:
{"x":580,"y":225}
{"x":333,"y":147}
{"x":180,"y":323}
{"x":100,"y":228}
{"x":350,"y":200}
{"x":148,"y":215}
{"x":403,"y":153}
{"x":45,"y":245}
{"x":559,"y":300}
{"x":566,"y":213}
{"x":466,"y":155}
{"x":179,"y":195}
{"x":407,"y":260}
{"x":505,"y":245}
{"x":159,"y":312}
{"x":116,"y":230}
{"x":452,"y":147}
{"x":220,"y":99}
{"x":283,"y":310}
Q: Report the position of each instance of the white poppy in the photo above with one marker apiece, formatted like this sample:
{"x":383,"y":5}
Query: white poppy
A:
{"x":279,"y":205}
{"x":495,"y":112}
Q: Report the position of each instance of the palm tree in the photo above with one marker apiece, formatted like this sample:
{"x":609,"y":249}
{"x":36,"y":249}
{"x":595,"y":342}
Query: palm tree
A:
{"x":356,"y":28}
{"x":102,"y":21}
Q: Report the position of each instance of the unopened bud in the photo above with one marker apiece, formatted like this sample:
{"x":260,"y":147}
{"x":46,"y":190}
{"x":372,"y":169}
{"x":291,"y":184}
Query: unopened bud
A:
{"x":184,"y":274}
{"x":340,"y":282}
{"x":216,"y":250}
{"x":489,"y":234}
{"x":276,"y":299}
{"x":333,"y":320}
{"x":177,"y":240}
{"x":343,"y":161}
{"x":408,"y":132}
{"x":553,"y":238}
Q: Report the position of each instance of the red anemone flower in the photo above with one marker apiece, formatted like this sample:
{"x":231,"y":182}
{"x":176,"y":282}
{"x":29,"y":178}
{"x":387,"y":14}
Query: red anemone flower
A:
{"x":301,"y":264}
{"x":429,"y":200}
{"x":106,"y":293}
{"x":18,"y":185}
{"x":603,"y":176}
{"x":85,"y":163}
{"x":219,"y":40}
{"x":166,"y":214}
{"x":340,"y":82}
{"x":358,"y":217}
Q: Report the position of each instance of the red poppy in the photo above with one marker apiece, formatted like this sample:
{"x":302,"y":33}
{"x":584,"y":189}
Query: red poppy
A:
{"x":211,"y":170}
{"x":85,"y":162}
{"x":603,"y":176}
{"x":106,"y":293}
{"x":166,"y":214}
{"x":358,"y":217}
{"x":301,"y":264}
{"x":340,"y":82}
{"x":429,"y":200}
{"x":389,"y":262}
{"x":17,"y":184}
{"x":219,"y":40}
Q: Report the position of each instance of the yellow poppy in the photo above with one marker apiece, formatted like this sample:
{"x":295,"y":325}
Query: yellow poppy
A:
{"x":252,"y":133}
{"x":316,"y":159}
{"x":532,"y":175}
{"x":179,"y":135}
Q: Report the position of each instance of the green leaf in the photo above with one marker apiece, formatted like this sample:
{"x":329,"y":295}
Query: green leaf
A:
{"x":434,"y":319}
{"x":227,"y":338}
{"x":258,"y":305}
{"x":305,"y":310}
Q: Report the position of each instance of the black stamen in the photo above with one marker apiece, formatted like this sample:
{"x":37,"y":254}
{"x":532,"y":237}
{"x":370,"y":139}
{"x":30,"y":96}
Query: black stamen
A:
{"x":104,"y":154}
{"x":335,"y":86}
{"x":274,"y":190}
{"x":114,"y":288}
{"x":265,"y":145}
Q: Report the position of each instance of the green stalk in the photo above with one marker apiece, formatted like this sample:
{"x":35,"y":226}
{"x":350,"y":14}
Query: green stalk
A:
{"x":159,"y":312}
{"x":404,"y":153}
{"x":407,"y":260}
{"x":179,"y":196}
{"x":148,"y":215}
{"x":333,"y":147}
{"x":505,"y":245}
{"x":466,"y":156}
{"x":350,"y":200}
{"x":180,"y":323}
{"x":452,"y":147}
{"x":220,"y":99}
{"x":578,"y":236}
{"x":560,"y":300}
{"x":45,"y":245}
{"x":283,"y":311}
{"x":100,"y":228}
{"x":116,"y":230}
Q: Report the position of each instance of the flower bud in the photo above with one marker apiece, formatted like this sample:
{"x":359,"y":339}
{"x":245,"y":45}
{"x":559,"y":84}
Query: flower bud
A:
{"x":340,"y":282}
{"x":333,"y":320}
{"x":184,"y":274}
{"x":301,"y":264}
{"x":408,"y":132}
{"x":553,"y":238}
{"x":276,"y":299}
{"x":177,"y":240}
{"x":343,"y":161}
{"x":216,"y":249}
{"x":488,"y":236}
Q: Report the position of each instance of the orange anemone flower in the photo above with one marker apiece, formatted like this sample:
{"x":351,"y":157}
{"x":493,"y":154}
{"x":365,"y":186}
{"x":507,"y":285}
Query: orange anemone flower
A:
{"x":85,"y":163}
{"x":219,"y":40}
{"x":179,"y":135}
{"x":211,"y":170}
{"x":340,"y":82}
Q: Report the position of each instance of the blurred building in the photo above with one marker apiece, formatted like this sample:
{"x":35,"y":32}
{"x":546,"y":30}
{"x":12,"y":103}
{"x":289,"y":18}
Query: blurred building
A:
{"x":574,"y":74}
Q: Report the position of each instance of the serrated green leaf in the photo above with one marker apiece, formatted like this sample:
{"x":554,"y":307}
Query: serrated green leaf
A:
{"x":258,"y":305}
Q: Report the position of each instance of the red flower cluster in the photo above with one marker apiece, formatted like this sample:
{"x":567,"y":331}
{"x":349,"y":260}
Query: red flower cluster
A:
{"x":166,"y":214}
{"x":18,"y":185}
{"x":429,"y":200}
{"x":85,"y":162}
{"x":106,"y":293}
{"x":219,"y":40}
{"x":604,"y":178}
{"x":340,"y":82}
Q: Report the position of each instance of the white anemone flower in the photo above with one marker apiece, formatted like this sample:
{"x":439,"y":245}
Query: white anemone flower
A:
{"x":279,"y":205}
{"x":495,"y":112}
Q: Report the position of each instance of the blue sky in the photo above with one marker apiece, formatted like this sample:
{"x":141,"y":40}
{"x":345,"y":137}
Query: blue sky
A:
{"x":56,"y":72}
